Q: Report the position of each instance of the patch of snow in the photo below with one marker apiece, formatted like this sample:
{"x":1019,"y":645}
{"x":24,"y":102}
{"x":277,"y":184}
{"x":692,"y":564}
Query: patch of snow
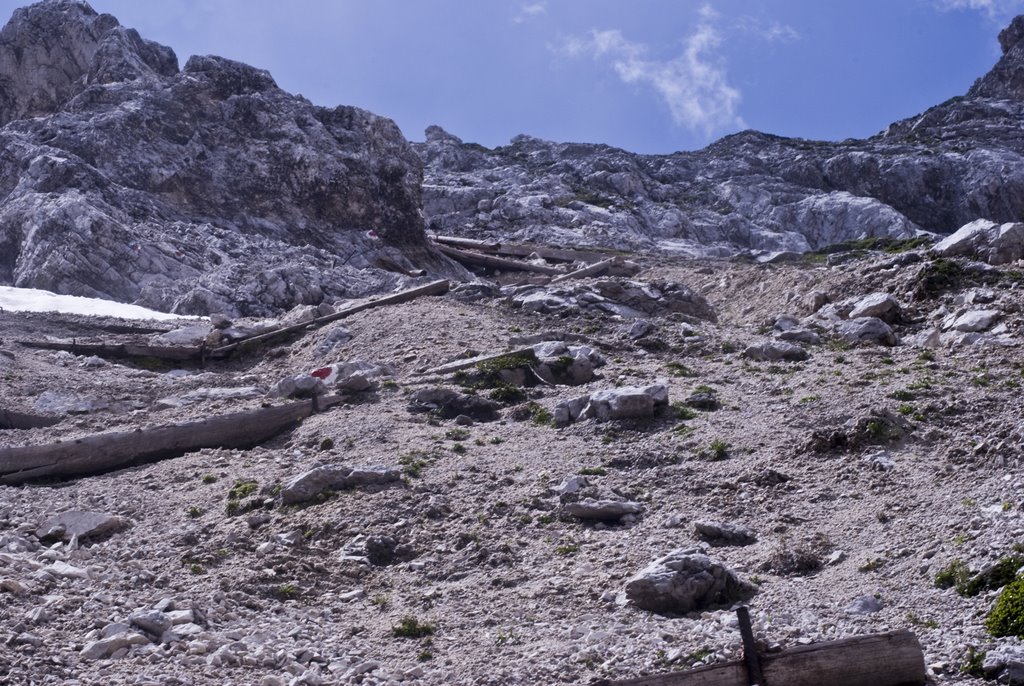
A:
{"x":35,"y":300}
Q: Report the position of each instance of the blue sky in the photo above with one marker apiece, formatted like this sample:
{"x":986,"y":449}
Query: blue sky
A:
{"x":651,"y":76}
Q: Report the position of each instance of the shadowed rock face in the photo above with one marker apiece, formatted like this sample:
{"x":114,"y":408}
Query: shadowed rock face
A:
{"x":203,"y":189}
{"x":957,"y":162}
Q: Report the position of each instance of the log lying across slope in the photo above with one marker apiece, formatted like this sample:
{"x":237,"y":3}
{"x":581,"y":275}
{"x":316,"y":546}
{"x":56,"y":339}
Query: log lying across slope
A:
{"x":102,"y":452}
{"x":893,"y":658}
{"x":184,"y":353}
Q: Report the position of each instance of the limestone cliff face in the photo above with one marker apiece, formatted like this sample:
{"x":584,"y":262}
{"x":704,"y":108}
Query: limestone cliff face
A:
{"x":957,"y":162}
{"x":199,"y":189}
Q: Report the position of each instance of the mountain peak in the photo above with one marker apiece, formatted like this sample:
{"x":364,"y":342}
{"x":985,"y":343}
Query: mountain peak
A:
{"x":52,"y":50}
{"x":1005,"y":81}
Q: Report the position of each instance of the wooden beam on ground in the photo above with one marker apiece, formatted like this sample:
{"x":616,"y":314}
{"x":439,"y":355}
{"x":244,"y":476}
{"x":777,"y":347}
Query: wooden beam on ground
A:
{"x":432,"y":288}
{"x":486,"y":246}
{"x":459,"y":365}
{"x":184,"y":353}
{"x":479,"y":259}
{"x":557,"y":254}
{"x":591,"y":270}
{"x":10,"y":419}
{"x":114,"y":450}
{"x":177,"y":353}
{"x":893,"y":658}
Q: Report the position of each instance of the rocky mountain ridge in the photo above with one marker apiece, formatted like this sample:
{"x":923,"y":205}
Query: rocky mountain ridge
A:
{"x":195,"y":190}
{"x":955,"y":163}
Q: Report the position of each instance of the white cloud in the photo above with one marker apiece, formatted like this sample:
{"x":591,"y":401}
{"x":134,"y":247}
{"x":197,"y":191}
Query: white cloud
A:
{"x":693,"y":85}
{"x":994,"y":9}
{"x":529,"y":11}
{"x":771,"y":32}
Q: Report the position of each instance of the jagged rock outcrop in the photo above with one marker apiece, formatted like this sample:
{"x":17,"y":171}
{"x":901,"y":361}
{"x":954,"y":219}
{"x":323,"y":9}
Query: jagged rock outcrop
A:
{"x":957,"y":162}
{"x":195,"y":190}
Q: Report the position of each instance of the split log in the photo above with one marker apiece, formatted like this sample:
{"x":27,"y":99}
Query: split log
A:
{"x":591,"y":270}
{"x":174,"y":353}
{"x":432,"y":288}
{"x":185,"y":353}
{"x":481,"y":260}
{"x":486,"y":246}
{"x":894,"y":658}
{"x":459,"y":365}
{"x":555,"y":254}
{"x":9,"y":419}
{"x":114,"y":450}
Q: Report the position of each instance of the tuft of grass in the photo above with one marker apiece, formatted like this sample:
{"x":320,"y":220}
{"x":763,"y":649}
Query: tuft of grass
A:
{"x":1007,"y":615}
{"x":208,"y":478}
{"x":539,"y":415}
{"x":718,"y":450}
{"x":955,"y":574}
{"x":243,"y":488}
{"x":411,"y":627}
{"x":593,"y":471}
{"x":567,"y":549}
{"x":194,"y":511}
{"x":456,"y":434}
{"x":286,"y":591}
{"x":679,"y":369}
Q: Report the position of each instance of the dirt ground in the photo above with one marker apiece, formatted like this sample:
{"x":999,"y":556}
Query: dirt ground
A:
{"x":494,"y":583}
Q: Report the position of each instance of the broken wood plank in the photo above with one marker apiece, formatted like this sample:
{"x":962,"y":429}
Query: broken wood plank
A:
{"x":893,"y":658}
{"x":10,"y":419}
{"x":177,"y":353}
{"x":488,"y":246}
{"x":481,"y":260}
{"x":458,"y":365}
{"x":590,"y":270}
{"x":432,"y":288}
{"x":113,"y":450}
{"x":556,"y":254}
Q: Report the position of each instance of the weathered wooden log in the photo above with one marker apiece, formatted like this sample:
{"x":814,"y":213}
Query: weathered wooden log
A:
{"x":175,"y":353}
{"x":481,"y":260}
{"x":184,"y":353}
{"x":432,"y":288}
{"x":10,"y":419}
{"x":590,"y":270}
{"x":894,"y":658}
{"x":555,"y":254}
{"x":486,"y":246}
{"x":113,"y":450}
{"x":459,"y":365}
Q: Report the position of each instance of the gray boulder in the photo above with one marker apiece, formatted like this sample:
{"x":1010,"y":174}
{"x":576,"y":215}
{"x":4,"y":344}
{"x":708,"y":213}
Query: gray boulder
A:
{"x":603,"y":510}
{"x":774,"y":351}
{"x":308,"y":485}
{"x":105,"y":647}
{"x":81,"y":523}
{"x":880,"y":305}
{"x":685,"y":581}
{"x":626,"y":402}
{"x":450,"y":404}
{"x":724,"y":533}
{"x":866,"y":330}
{"x":985,"y":240}
{"x":976,"y":320}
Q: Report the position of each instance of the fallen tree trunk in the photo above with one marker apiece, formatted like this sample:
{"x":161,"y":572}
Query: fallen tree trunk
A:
{"x":481,"y":260}
{"x":894,"y":658}
{"x":103,"y":452}
{"x":433,"y":288}
{"x":487,"y":246}
{"x":185,"y":353}
{"x":458,"y":365}
{"x":174,"y":353}
{"x":591,"y":270}
{"x":10,"y":419}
